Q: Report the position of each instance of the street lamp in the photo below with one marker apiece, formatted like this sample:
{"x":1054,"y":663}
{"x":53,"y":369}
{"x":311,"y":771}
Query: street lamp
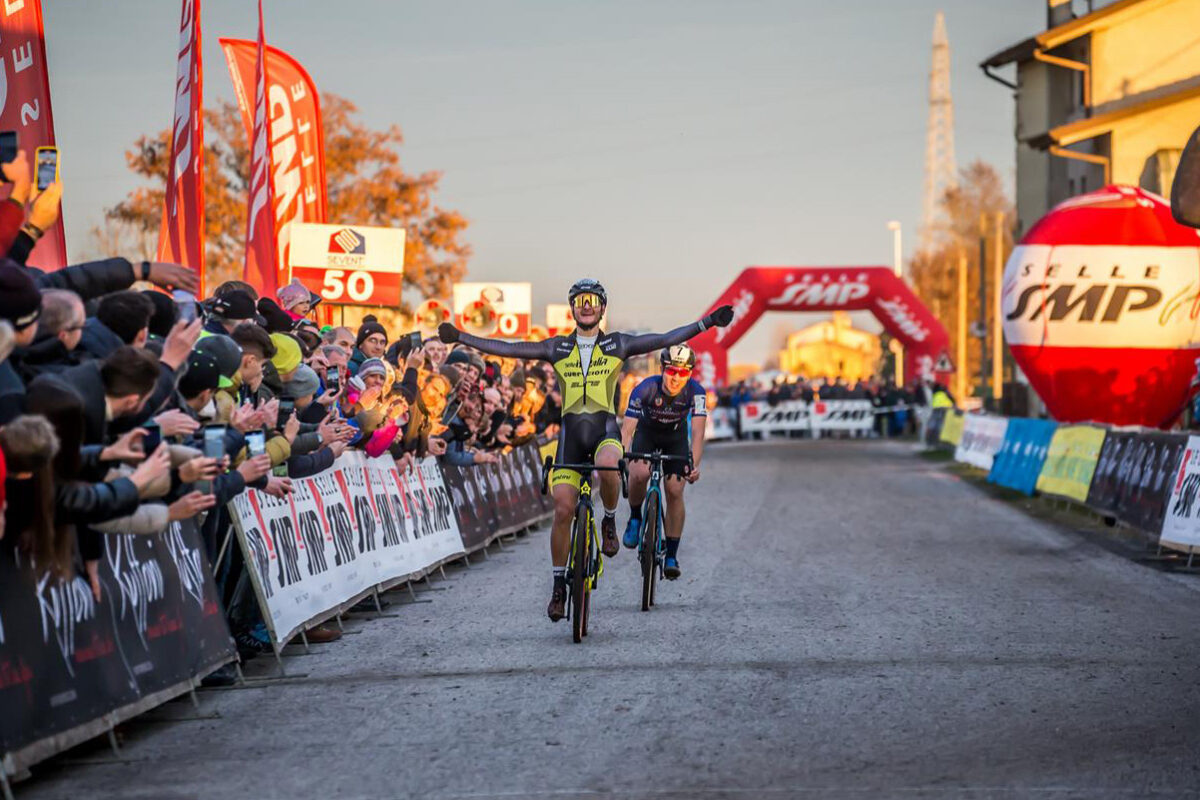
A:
{"x":894,"y":227}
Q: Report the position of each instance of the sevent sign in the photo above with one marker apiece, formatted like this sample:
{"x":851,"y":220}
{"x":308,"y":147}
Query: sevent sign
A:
{"x":349,"y":264}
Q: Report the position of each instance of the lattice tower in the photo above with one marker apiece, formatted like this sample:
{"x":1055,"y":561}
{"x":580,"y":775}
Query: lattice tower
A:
{"x":941,"y":169}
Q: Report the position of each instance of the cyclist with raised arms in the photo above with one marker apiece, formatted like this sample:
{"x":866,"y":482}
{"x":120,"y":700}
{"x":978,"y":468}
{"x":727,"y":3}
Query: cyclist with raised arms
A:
{"x":657,"y":418}
{"x":588,"y":365}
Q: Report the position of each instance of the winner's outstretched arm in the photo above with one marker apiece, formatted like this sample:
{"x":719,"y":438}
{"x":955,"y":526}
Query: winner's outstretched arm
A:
{"x":649,"y":342}
{"x":496,"y":347}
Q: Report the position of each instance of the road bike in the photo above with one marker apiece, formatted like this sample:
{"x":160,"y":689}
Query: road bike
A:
{"x":584,"y":565}
{"x":651,"y":549}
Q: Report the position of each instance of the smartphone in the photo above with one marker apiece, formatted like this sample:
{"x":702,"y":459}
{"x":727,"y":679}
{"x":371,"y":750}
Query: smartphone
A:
{"x":414,"y":341}
{"x":214,"y":447}
{"x":332,"y":380}
{"x":286,"y":406}
{"x":256,"y":443}
{"x":47,"y":166}
{"x":152,"y":439}
{"x":8,"y":146}
{"x":186,"y":303}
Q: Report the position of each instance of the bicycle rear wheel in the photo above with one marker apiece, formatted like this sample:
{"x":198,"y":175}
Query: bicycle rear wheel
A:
{"x":650,"y":536}
{"x":580,"y":539}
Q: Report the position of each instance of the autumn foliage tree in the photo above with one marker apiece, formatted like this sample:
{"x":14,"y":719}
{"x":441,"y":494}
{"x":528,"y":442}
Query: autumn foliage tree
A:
{"x":969,"y":214}
{"x":365,"y":181}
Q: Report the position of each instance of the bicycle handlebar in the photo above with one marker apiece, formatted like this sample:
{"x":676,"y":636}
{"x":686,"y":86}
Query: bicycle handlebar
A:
{"x":548,"y":465}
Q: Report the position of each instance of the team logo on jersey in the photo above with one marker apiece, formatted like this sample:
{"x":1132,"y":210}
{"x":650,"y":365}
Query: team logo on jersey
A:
{"x":658,"y":401}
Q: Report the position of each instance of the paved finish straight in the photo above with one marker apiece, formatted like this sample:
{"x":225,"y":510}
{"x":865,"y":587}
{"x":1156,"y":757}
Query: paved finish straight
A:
{"x":852,"y":622}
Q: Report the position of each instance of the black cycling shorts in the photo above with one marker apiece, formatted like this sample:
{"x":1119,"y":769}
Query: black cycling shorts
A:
{"x":579,"y":438}
{"x":670,"y":442}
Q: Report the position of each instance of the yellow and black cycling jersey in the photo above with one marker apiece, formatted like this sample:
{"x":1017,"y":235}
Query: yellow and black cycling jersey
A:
{"x":596,"y":391}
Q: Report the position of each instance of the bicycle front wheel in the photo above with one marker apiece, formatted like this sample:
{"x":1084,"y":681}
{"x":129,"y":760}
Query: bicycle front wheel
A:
{"x":580,"y":543}
{"x":650,"y":534}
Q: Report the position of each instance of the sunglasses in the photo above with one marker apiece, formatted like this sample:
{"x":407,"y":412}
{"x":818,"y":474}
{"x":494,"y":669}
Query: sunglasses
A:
{"x":677,"y":372}
{"x":587,"y":299}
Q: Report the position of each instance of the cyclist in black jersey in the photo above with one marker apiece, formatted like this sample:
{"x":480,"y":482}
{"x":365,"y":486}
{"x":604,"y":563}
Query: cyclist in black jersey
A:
{"x":666,"y":412}
{"x":588,"y":365}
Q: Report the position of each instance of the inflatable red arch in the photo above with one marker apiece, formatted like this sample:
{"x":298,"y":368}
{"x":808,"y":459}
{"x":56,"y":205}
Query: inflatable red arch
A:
{"x":874,"y":289}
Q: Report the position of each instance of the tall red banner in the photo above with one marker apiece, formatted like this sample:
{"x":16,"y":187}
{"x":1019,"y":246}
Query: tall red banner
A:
{"x":25,"y":104}
{"x":295,"y":146}
{"x":181,"y":235}
{"x":261,"y":268}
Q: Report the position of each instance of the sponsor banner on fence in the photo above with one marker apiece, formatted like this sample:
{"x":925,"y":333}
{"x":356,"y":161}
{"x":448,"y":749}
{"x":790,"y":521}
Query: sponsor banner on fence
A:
{"x":719,"y":425}
{"x":72,"y":667}
{"x":952,"y":427}
{"x":497,"y":499}
{"x":1071,"y":461}
{"x":842,"y":415}
{"x":792,"y":415}
{"x":1181,"y":522}
{"x":981,"y":438}
{"x":933,"y":426}
{"x":1019,"y":460}
{"x":814,"y":418}
{"x":1145,"y":477}
{"x":341,"y":533}
{"x":1105,"y":492}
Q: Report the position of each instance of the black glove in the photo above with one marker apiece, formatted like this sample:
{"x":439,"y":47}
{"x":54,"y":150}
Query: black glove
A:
{"x":449,"y":334}
{"x":719,"y":318}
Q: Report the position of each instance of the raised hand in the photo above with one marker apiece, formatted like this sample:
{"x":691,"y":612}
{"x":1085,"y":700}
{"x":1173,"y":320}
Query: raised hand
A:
{"x":190,"y":505}
{"x":127,"y":448}
{"x":176,"y":423}
{"x":448,"y":333}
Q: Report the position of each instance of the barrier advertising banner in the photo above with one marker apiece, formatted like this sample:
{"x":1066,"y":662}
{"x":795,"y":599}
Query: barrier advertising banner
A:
{"x":497,"y":499}
{"x":1070,"y":461}
{"x":1105,"y":492}
{"x":815,"y":418}
{"x":952,"y":427}
{"x":71,"y":667}
{"x":1181,"y":522}
{"x":719,"y":425}
{"x":981,"y":438}
{"x":1146,"y":476}
{"x":1019,"y":460}
{"x":341,"y":533}
{"x":792,"y":415}
{"x":842,"y":415}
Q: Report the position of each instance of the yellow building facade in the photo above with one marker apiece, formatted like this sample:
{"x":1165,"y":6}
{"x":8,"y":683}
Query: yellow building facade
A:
{"x":832,"y":348}
{"x":1108,"y":93}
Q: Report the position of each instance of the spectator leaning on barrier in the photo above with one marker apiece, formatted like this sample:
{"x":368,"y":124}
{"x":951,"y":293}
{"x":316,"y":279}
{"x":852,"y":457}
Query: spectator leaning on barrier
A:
{"x":20,"y":306}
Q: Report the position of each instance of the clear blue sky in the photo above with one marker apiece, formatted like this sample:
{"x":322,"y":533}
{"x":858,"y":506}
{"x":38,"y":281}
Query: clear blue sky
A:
{"x":659,"y":145}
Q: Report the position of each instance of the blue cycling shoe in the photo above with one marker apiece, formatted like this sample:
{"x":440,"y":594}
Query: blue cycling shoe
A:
{"x":671,"y":569}
{"x":633,"y":533}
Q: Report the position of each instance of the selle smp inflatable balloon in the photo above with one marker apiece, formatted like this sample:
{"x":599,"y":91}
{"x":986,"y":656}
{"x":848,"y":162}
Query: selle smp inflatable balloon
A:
{"x":1100,"y":303}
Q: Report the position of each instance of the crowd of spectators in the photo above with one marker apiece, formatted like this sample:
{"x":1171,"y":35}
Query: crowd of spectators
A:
{"x":126,"y":405}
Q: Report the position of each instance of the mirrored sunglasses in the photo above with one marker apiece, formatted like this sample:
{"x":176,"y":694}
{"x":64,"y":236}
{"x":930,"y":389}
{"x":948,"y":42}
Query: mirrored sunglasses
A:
{"x":586,"y":299}
{"x":677,"y":372}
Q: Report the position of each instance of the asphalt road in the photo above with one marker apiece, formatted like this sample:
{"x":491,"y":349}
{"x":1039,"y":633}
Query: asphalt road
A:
{"x":852,"y":622}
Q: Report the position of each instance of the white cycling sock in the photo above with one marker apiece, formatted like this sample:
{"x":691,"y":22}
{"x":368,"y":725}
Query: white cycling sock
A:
{"x":609,"y":512}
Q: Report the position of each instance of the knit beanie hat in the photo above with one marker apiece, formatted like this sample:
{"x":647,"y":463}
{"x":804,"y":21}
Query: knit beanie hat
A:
{"x":287,"y":353}
{"x":20,"y":300}
{"x":372,"y":366}
{"x":292,"y":295}
{"x":303,"y":383}
{"x":370,"y":326}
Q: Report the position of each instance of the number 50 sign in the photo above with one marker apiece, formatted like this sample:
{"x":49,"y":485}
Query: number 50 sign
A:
{"x":349,"y":264}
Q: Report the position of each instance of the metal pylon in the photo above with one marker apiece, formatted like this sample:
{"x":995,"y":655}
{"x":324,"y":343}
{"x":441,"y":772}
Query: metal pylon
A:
{"x":941,"y":168}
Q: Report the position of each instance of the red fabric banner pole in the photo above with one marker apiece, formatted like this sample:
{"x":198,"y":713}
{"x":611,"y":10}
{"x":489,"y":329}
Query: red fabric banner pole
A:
{"x":296,"y":143}
{"x":260,"y":270}
{"x":25,"y":105}
{"x":181,"y":235}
